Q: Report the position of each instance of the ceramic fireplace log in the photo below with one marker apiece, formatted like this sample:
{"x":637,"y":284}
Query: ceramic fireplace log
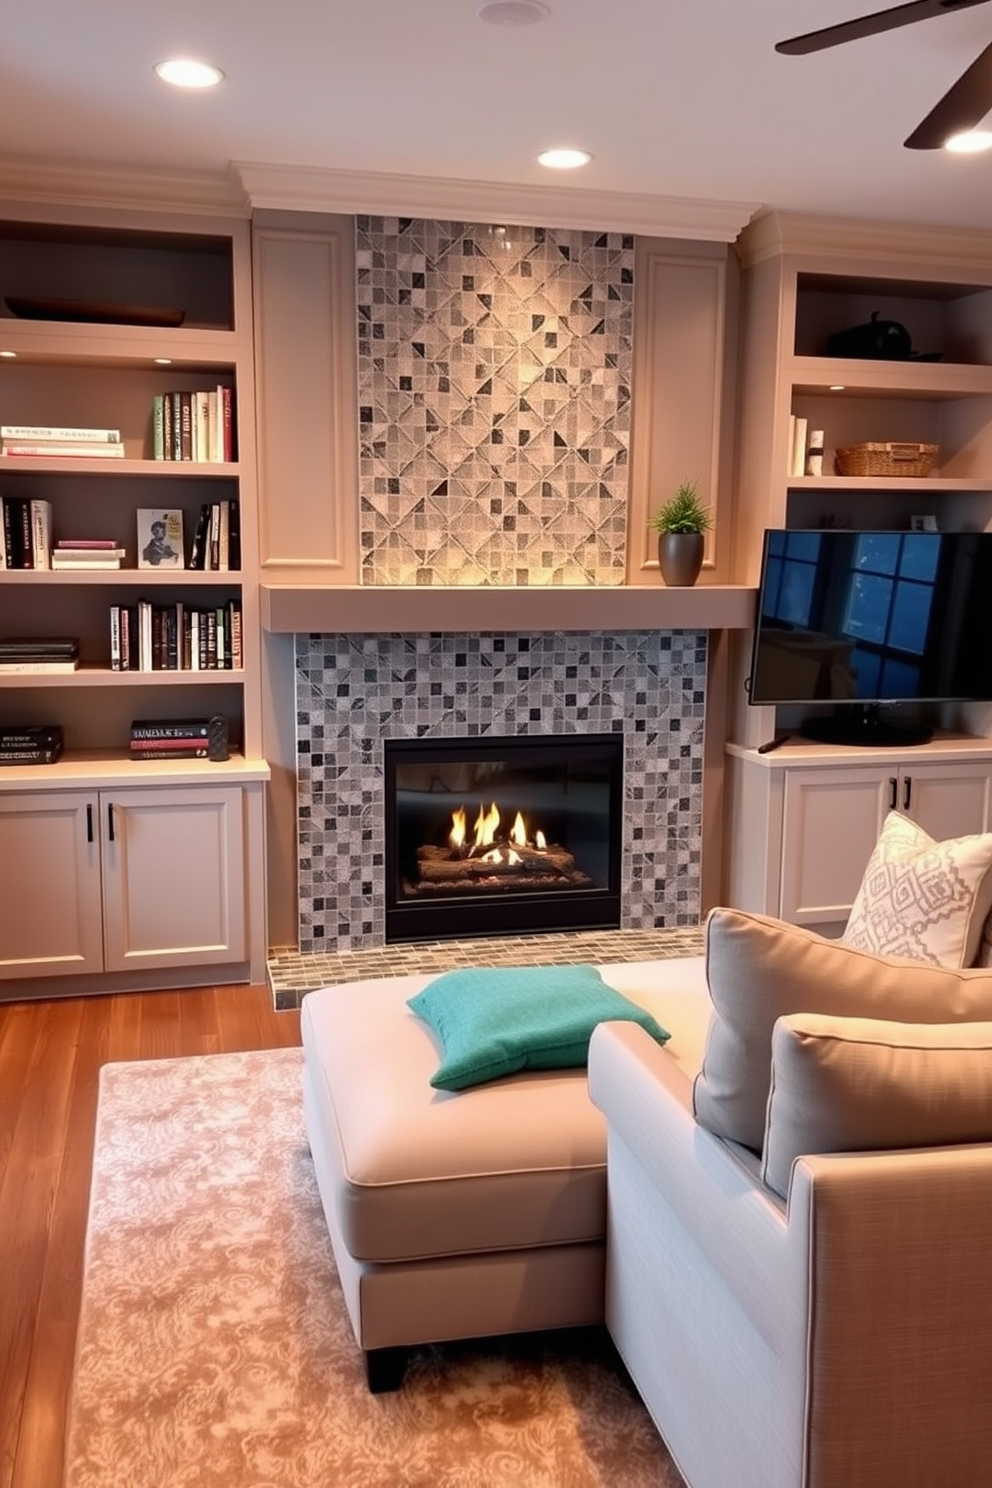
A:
{"x":436,"y":865}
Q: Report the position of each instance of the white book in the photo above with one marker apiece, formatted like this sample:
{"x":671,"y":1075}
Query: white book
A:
{"x":144,"y":635}
{"x":217,"y":427}
{"x":797,"y":464}
{"x":61,"y":564}
{"x":41,"y":532}
{"x":37,"y":433}
{"x":57,"y":450}
{"x":38,"y":666}
{"x":201,"y":426}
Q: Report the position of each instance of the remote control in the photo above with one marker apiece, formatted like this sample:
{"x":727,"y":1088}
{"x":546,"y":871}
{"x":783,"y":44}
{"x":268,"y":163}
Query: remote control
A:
{"x":771,"y":744}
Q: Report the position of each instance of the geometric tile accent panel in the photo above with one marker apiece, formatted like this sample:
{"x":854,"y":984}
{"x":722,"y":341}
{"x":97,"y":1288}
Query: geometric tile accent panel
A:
{"x":494,"y":373}
{"x":355,"y":691}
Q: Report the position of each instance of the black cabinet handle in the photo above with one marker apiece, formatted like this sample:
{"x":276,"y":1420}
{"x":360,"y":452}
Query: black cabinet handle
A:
{"x":907,"y":792}
{"x":893,"y":790}
{"x":110,"y":820}
{"x":89,"y":824}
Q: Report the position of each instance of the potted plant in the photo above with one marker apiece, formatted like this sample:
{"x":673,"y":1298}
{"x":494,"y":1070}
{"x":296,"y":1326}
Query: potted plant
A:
{"x":681,"y":525}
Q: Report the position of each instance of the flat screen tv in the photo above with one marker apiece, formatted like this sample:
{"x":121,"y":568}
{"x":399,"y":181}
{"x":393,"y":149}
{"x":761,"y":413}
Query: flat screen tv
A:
{"x":850,"y":623}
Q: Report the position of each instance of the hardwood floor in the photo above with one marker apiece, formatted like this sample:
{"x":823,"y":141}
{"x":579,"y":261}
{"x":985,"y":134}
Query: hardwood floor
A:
{"x":50,"y":1057}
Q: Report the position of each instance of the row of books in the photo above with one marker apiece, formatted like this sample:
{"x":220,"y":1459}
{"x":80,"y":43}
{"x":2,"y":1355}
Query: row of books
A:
{"x":27,"y":532}
{"x":217,"y":537}
{"x":193,"y":425}
{"x":60,"y":443}
{"x":38,"y":654}
{"x":149,"y":637}
{"x":181,"y":738}
{"x":31,"y":743}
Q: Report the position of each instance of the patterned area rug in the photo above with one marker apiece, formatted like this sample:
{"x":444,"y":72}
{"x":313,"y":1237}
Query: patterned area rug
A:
{"x":214,"y":1349}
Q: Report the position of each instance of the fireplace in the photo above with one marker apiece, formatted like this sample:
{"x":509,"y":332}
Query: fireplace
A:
{"x":489,"y":836}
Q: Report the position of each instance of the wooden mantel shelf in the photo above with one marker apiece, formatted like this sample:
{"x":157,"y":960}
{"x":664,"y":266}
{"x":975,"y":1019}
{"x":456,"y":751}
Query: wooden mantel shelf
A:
{"x":367,"y":609}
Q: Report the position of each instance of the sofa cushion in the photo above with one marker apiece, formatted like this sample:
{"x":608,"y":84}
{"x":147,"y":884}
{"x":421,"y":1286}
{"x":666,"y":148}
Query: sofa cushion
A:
{"x":498,"y":1020}
{"x":759,"y":968}
{"x":857,"y":1084}
{"x":923,"y":898}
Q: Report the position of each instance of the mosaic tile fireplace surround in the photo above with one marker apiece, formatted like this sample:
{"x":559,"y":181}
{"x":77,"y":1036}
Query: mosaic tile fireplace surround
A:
{"x":353,"y":691}
{"x":494,"y":370}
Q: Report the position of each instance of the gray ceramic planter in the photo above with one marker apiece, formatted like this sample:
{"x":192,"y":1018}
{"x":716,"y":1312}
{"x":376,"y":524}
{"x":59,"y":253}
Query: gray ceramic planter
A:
{"x":680,"y":557}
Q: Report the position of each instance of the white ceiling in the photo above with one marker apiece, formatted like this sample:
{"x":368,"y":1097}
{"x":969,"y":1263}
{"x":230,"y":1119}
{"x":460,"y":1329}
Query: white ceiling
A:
{"x":674,"y":100}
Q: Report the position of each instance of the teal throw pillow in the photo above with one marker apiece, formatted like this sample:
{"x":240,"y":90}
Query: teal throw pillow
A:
{"x":494,"y":1021}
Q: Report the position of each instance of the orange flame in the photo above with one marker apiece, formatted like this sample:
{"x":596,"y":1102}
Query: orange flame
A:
{"x":457,"y":834}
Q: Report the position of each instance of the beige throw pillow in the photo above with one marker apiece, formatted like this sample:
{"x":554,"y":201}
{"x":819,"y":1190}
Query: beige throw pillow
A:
{"x":759,"y":969}
{"x":923,"y":898}
{"x":863,"y":1084}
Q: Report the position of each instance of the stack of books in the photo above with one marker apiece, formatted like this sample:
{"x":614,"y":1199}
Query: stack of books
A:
{"x":26,"y":538}
{"x":38,"y":654}
{"x":30,"y":743}
{"x":180,"y":738}
{"x":75,"y":553}
{"x":54,"y":442}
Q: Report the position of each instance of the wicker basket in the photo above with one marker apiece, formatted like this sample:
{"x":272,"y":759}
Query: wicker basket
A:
{"x":886,"y":459}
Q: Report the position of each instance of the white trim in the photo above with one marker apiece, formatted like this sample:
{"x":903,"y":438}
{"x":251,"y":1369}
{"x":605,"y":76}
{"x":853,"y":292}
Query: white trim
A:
{"x":771,"y":234}
{"x":38,"y":181}
{"x":244,"y":185}
{"x":314,"y":189}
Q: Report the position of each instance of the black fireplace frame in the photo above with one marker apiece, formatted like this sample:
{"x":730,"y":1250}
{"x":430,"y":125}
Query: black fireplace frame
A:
{"x":546,"y":911}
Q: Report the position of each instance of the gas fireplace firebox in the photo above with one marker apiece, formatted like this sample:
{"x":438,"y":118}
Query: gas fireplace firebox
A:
{"x":489,"y":836}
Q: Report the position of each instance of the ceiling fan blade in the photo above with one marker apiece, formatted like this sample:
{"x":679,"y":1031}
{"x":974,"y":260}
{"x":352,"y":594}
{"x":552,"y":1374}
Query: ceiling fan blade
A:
{"x":871,"y":25}
{"x":961,"y":108}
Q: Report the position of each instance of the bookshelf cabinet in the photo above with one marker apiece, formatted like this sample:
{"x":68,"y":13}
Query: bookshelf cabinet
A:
{"x":812,"y":816}
{"x":100,"y":311}
{"x":83,"y":887}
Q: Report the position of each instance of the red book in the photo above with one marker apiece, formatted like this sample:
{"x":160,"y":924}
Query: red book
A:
{"x":169,"y":746}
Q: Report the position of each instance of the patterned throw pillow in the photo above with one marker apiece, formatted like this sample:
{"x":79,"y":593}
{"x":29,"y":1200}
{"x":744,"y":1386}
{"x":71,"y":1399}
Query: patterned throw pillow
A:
{"x":921,"y":898}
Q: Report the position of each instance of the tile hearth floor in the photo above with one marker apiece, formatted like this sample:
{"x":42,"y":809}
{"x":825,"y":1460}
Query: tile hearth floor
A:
{"x":291,"y":974}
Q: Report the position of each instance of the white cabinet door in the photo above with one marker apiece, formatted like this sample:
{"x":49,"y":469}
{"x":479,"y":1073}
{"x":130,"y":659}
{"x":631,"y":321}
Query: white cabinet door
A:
{"x":947,"y":800}
{"x":50,"y":897}
{"x":173,"y":877}
{"x":831,"y":820}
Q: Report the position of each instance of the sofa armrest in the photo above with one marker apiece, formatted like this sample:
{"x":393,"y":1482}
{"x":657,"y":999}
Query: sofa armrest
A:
{"x":740,"y":1226}
{"x":842,"y":1341}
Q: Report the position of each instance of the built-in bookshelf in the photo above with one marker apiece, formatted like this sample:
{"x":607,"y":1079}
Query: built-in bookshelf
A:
{"x":106,"y":318}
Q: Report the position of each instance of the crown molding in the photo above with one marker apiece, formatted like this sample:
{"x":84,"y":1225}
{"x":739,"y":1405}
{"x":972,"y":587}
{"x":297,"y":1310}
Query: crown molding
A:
{"x":41,"y":182}
{"x":314,"y":189}
{"x":773,"y":234}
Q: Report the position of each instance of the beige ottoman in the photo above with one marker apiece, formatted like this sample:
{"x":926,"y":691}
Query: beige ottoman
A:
{"x":455,"y":1215}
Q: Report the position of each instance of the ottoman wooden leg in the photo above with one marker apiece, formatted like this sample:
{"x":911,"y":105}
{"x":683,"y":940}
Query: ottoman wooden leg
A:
{"x":385,"y":1368}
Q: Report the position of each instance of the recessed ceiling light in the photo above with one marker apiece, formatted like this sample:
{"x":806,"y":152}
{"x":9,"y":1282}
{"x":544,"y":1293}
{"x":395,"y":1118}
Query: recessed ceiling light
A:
{"x":512,"y":12}
{"x":837,"y":387}
{"x":183,"y":72}
{"x":564,"y":159}
{"x":8,"y":353}
{"x":163,"y":361}
{"x":969,"y":142}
